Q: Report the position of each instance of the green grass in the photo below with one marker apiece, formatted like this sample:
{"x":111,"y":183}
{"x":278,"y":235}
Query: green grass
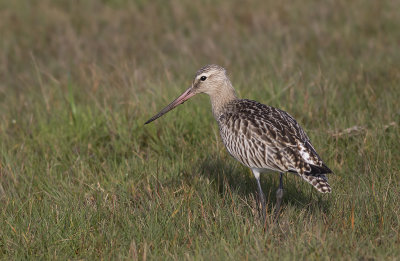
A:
{"x":82,"y":178}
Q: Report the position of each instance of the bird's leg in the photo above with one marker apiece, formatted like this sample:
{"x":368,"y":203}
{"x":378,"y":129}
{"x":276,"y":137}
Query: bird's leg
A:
{"x":262,"y":199}
{"x":279,"y":196}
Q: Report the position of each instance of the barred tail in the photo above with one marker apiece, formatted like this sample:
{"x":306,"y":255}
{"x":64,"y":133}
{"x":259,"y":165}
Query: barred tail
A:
{"x":320,"y":182}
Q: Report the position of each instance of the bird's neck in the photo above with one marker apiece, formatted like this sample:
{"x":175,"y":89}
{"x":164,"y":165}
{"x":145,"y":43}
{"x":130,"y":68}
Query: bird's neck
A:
{"x":223,"y":95}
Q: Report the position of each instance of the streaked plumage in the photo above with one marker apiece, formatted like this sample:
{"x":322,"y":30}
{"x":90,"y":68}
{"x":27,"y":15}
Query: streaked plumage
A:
{"x":264,"y":137}
{"x":259,"y":136}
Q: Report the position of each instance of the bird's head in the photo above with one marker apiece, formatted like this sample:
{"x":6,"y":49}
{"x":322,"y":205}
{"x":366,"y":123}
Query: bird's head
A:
{"x":211,"y":79}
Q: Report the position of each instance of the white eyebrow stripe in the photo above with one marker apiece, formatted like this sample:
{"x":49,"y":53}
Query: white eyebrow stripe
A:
{"x":203,"y":74}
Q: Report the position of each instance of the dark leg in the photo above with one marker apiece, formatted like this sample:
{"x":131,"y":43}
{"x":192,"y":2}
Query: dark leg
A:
{"x":279,"y":196}
{"x":262,"y":199}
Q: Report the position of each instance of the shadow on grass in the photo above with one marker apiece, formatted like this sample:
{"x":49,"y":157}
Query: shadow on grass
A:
{"x":242,"y":181}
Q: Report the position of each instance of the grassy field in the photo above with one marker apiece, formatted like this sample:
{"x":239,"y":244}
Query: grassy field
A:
{"x":82,"y":178}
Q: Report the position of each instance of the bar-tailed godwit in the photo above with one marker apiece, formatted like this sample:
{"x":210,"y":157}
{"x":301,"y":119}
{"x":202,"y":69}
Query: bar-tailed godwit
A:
{"x":259,"y":136}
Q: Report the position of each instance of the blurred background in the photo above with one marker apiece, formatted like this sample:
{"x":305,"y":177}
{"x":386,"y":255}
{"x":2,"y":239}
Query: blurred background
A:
{"x":123,"y":47}
{"x":80,"y":176}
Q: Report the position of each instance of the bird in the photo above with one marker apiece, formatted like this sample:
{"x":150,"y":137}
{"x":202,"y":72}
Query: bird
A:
{"x":261,"y":137}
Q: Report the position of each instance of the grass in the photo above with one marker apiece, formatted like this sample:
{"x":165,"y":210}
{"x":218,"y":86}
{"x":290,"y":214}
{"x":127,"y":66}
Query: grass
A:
{"x":82,"y":178}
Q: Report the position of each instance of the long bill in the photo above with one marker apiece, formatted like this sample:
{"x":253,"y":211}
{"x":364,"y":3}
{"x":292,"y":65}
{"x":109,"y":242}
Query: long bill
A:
{"x":181,"y":99}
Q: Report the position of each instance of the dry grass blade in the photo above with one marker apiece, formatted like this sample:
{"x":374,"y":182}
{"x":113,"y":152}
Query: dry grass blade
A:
{"x":355,"y":130}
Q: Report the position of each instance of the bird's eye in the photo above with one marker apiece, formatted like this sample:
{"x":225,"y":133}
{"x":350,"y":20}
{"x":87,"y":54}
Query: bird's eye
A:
{"x":203,"y":78}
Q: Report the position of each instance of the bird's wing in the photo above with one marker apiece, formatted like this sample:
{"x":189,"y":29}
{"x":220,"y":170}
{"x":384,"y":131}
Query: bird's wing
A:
{"x":265,"y":137}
